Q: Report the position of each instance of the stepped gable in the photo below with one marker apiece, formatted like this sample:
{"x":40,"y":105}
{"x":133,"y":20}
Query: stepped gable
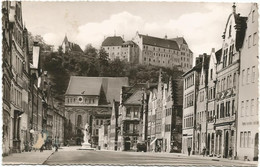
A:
{"x":113,"y":41}
{"x":93,"y":85}
{"x":159,"y":42}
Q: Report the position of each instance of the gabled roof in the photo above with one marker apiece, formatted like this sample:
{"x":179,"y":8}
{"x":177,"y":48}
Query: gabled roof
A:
{"x":92,"y":86}
{"x":75,"y":47}
{"x":72,"y":46}
{"x":135,"y":98}
{"x":113,"y":41}
{"x":179,"y":40}
{"x":159,"y":42}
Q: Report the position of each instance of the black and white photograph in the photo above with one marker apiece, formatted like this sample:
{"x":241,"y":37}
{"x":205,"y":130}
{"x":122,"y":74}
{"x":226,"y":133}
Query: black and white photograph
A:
{"x":130,"y":83}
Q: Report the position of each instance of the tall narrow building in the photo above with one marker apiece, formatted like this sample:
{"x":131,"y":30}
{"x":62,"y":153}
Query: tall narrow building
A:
{"x":228,"y":86}
{"x":248,"y":111}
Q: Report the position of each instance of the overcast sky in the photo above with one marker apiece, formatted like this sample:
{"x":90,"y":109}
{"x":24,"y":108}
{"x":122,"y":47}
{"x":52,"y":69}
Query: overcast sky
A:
{"x":200,"y":23}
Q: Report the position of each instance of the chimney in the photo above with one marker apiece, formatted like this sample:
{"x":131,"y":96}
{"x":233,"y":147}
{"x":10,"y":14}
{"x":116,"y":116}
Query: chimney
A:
{"x":165,"y":36}
{"x":213,"y":50}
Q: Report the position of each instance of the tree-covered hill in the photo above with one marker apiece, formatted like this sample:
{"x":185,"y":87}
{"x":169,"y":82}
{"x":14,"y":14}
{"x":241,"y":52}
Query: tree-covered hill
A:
{"x":93,"y":62}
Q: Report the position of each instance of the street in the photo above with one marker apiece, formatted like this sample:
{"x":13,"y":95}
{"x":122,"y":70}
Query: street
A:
{"x":71,"y":155}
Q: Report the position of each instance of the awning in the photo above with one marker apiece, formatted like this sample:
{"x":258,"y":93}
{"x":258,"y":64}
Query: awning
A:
{"x":153,"y":141}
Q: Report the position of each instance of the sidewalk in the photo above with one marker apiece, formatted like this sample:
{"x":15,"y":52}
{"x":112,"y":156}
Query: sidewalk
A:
{"x":217,"y":159}
{"x":27,"y":158}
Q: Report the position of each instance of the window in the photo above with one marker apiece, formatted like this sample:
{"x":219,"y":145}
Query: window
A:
{"x":248,"y":139}
{"x":253,"y":74}
{"x":135,"y":128}
{"x":128,"y":112}
{"x":228,"y":108}
{"x":136,"y":113}
{"x":248,"y":76}
{"x":249,"y":41}
{"x":211,"y":73}
{"x":243,"y":77}
{"x":233,"y":107}
{"x":242,"y":109}
{"x":245,"y":139}
{"x":255,"y":38}
{"x":253,"y":16}
{"x":241,"y":139}
{"x":246,"y":110}
{"x":79,"y":121}
{"x":231,"y":48}
{"x":252,"y":109}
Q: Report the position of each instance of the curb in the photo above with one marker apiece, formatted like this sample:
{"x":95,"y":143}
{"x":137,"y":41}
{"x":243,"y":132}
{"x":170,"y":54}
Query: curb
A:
{"x":44,"y":162}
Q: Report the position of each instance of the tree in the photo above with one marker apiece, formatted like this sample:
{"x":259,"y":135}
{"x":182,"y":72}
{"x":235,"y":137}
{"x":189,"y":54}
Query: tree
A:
{"x":102,"y":62}
{"x":90,"y":51}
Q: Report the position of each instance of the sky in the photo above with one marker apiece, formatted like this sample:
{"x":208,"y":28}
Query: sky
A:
{"x":200,"y":23}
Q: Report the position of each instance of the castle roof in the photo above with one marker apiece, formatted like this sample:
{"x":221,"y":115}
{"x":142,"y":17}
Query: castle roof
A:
{"x":159,"y":42}
{"x":179,"y":40}
{"x":93,"y":85}
{"x":113,"y":41}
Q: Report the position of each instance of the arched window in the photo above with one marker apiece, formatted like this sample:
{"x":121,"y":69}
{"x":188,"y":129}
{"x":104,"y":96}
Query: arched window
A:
{"x":79,"y":120}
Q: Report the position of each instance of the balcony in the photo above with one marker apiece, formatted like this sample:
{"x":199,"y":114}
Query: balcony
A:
{"x":226,"y":120}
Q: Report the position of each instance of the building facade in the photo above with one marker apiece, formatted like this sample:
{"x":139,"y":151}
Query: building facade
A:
{"x":89,"y":100}
{"x":130,"y":117}
{"x":227,"y":85}
{"x":113,"y":46}
{"x":190,"y":88}
{"x":6,"y":80}
{"x":248,"y":123}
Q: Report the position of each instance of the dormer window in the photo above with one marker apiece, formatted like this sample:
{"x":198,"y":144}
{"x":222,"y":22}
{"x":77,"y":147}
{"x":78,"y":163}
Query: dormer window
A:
{"x":253,"y":16}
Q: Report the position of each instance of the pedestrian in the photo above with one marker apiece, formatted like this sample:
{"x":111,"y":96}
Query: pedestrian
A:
{"x":230,"y":152}
{"x":56,"y":148}
{"x":204,"y":151}
{"x":41,"y":149}
{"x":189,"y":150}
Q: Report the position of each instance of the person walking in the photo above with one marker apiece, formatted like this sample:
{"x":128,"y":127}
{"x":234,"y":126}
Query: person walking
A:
{"x":204,"y":151}
{"x":189,"y":150}
{"x":230,"y":152}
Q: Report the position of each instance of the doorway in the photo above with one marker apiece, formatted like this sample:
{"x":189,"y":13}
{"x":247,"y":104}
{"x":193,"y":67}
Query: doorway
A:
{"x":226,"y":145}
{"x":127,"y":143}
{"x":256,"y":148}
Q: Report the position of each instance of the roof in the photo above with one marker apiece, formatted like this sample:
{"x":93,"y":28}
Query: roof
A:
{"x":92,"y":86}
{"x":179,"y":40}
{"x":74,"y":47}
{"x":195,"y":68}
{"x":113,"y":41}
{"x":159,"y":42}
{"x":135,"y":98}
{"x":129,"y":43}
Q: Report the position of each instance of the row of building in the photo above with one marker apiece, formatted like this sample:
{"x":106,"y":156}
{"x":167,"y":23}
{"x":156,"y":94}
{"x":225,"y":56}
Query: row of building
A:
{"x":220,"y":101}
{"x":121,"y":117}
{"x":213,"y":108}
{"x":149,"y":50}
{"x":29,"y":113}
